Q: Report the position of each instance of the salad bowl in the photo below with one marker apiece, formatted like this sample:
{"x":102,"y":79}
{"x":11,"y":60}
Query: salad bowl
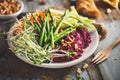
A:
{"x":15,"y":14}
{"x":89,"y":50}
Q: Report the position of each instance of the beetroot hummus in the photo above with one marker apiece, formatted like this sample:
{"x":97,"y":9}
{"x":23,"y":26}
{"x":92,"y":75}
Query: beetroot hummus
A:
{"x":75,"y":42}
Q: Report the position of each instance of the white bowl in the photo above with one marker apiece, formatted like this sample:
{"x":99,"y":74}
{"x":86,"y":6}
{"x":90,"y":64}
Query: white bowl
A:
{"x":87,"y":53}
{"x":14,"y":15}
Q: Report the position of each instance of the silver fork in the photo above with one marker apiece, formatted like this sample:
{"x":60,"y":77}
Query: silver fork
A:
{"x":105,"y":53}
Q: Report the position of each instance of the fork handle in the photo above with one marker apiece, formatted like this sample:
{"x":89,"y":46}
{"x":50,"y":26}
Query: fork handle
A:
{"x":115,"y":43}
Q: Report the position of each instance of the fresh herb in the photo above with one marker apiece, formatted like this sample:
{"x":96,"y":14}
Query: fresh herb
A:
{"x":79,"y":77}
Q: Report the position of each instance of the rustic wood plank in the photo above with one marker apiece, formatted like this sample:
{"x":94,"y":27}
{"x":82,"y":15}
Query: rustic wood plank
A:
{"x":93,"y":70}
{"x":110,"y":69}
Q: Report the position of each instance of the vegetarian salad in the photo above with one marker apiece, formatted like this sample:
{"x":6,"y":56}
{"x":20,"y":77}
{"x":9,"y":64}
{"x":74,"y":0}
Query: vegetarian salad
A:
{"x":51,"y":36}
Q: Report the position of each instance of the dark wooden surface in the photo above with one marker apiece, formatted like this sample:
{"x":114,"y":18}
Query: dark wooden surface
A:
{"x":111,"y":21}
{"x":13,"y":68}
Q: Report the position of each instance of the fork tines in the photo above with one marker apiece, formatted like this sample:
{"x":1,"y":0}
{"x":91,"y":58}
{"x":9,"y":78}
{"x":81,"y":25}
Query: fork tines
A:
{"x":99,"y":58}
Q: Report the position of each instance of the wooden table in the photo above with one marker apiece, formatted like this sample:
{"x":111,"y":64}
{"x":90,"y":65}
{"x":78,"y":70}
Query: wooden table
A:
{"x":12,"y":68}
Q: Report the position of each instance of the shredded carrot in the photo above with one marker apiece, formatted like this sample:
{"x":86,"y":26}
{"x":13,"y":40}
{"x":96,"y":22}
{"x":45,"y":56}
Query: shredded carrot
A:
{"x":38,"y":19}
{"x":31,"y":18}
{"x":42,"y":13}
{"x":18,"y":29}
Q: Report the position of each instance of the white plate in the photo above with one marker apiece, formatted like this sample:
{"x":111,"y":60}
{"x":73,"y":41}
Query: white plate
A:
{"x":87,"y":53}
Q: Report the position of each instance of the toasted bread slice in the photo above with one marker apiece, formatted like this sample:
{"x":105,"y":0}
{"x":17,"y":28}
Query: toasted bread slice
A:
{"x":87,"y":8}
{"x":113,"y":3}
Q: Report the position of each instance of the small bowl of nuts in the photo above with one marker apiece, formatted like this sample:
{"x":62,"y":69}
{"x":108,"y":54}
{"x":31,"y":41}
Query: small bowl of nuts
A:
{"x":10,"y":8}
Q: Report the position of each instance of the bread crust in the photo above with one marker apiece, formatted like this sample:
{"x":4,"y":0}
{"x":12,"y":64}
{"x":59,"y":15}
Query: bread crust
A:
{"x":87,"y":8}
{"x":112,"y":3}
